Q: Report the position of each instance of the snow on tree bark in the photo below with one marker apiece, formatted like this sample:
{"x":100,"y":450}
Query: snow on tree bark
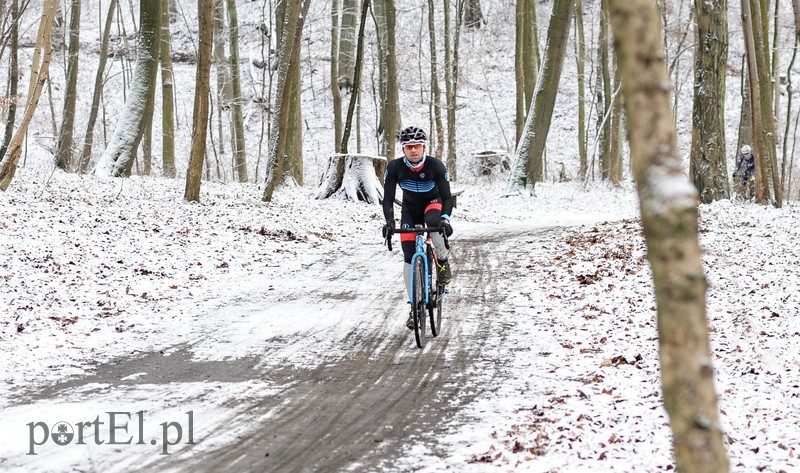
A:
{"x":537,"y":125}
{"x":117,"y":159}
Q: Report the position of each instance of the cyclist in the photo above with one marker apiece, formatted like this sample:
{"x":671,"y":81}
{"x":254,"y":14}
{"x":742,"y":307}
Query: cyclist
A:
{"x":426,"y":201}
{"x":745,"y":170}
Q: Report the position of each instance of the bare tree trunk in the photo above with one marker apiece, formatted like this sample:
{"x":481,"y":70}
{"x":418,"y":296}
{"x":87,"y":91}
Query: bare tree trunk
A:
{"x":335,"y":87}
{"x":167,"y":97}
{"x":604,"y":99}
{"x":120,"y":153}
{"x":88,"y":141}
{"x":205,"y":9}
{"x":290,"y":39}
{"x":519,"y":70}
{"x":769,"y":142}
{"x":473,"y":16}
{"x":615,"y":138}
{"x":451,"y":80}
{"x":356,"y":94}
{"x":436,"y":89}
{"x":347,"y":46}
{"x":796,"y":7}
{"x":64,"y":152}
{"x":392,"y":121}
{"x":40,"y":62}
{"x":537,"y":126}
{"x":669,"y":219}
{"x":239,"y":152}
{"x":224,"y":92}
{"x":13,"y":78}
{"x":755,"y":103}
{"x":708,"y":156}
{"x":581,"y":61}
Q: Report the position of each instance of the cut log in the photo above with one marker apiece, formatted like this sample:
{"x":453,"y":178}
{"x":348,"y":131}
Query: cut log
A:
{"x":357,"y":177}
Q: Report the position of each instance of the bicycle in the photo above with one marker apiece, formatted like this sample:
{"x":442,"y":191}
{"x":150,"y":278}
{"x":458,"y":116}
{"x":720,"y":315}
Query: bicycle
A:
{"x":427,"y":293}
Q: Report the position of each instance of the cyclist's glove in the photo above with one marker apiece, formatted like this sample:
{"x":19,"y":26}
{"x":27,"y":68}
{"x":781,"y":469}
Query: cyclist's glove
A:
{"x":388,"y":229}
{"x":448,"y":230}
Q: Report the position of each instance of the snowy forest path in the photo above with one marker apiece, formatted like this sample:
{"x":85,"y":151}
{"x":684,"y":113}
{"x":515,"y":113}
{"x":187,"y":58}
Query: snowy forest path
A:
{"x":384,"y":394}
{"x":314,"y":371}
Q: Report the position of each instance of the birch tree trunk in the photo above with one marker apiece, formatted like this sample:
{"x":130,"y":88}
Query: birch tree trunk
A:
{"x":64,"y":152}
{"x":708,"y":156}
{"x":40,"y":63}
{"x":205,"y":12}
{"x":668,"y":206}
{"x":118,"y":158}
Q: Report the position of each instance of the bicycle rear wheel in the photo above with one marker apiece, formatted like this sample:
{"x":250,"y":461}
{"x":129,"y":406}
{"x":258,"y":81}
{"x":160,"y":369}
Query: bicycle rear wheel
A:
{"x":418,"y":304}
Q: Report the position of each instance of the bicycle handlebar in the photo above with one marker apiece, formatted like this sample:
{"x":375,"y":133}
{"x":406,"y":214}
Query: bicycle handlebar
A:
{"x":439,"y":229}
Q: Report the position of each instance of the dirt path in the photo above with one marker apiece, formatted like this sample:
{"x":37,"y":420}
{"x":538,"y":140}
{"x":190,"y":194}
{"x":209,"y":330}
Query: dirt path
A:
{"x":361,"y":411}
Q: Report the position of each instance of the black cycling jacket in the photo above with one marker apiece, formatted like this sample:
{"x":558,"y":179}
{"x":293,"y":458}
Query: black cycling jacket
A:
{"x":419,"y":188}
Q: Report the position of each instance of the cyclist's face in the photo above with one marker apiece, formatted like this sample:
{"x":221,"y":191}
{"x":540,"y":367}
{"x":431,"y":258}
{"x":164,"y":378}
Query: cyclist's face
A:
{"x":414,"y":151}
{"x":748,"y":156}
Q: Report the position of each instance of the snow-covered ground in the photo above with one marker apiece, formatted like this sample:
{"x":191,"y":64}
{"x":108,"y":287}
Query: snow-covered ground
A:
{"x":96,"y":271}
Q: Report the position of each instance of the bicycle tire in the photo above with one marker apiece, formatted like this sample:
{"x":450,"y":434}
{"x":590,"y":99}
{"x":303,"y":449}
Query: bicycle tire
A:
{"x":418,"y":304}
{"x":434,"y":307}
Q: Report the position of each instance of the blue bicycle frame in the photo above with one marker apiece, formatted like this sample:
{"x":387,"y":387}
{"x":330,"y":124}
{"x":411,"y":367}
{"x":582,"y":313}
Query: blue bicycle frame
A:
{"x":420,"y":253}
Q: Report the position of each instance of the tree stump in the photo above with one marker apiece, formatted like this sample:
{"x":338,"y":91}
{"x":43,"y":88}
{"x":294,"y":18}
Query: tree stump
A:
{"x":356,"y":177}
{"x":490,"y":160}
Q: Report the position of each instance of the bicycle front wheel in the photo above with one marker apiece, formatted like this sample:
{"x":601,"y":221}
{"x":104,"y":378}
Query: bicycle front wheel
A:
{"x":418,"y":304}
{"x":435,"y":296}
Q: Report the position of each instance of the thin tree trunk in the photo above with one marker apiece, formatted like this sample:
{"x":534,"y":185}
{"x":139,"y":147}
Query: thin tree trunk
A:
{"x":347,"y":46}
{"x":88,"y":141}
{"x":40,"y":62}
{"x":581,"y":61}
{"x":669,"y":220}
{"x":519,"y":69}
{"x":391,"y":120}
{"x":167,"y":96}
{"x":335,"y":90}
{"x":194,"y":173}
{"x":13,"y":72}
{"x":796,"y":8}
{"x":224,"y":93}
{"x":64,"y":152}
{"x":356,"y":94}
{"x":239,"y":152}
{"x":789,"y":90}
{"x":435,"y":87}
{"x":604,"y":100}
